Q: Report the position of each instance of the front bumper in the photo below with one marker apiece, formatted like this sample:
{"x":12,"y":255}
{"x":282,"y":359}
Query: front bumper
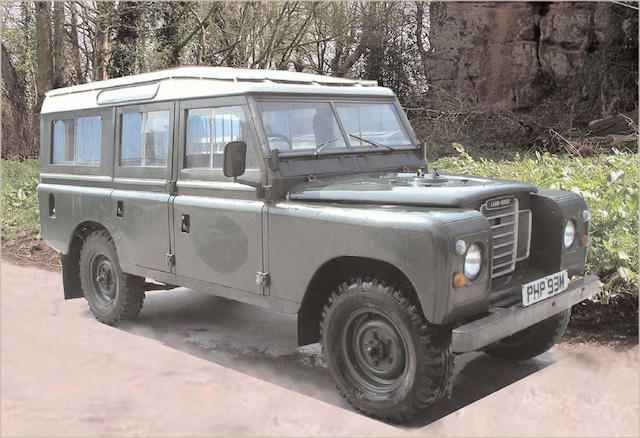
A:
{"x":505,"y":321}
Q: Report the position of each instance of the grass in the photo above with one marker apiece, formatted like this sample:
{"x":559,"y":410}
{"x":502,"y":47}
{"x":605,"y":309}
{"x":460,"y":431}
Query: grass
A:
{"x":19,"y":196}
{"x":608,"y":183}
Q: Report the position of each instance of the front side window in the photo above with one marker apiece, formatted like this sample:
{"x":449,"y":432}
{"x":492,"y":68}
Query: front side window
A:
{"x":77,"y":141}
{"x":377,"y":122}
{"x":209,"y":130}
{"x":293,"y":126}
{"x":144,"y":139}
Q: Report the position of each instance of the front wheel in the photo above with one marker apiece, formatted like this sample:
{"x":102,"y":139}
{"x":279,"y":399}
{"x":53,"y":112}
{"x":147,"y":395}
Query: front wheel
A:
{"x":533,"y":340}
{"x":387,"y":361}
{"x":112,"y":294}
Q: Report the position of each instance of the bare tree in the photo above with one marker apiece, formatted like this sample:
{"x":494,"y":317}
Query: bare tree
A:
{"x":61,"y":72}
{"x":75,"y":43}
{"x":43,"y":50}
{"x":102,"y":44}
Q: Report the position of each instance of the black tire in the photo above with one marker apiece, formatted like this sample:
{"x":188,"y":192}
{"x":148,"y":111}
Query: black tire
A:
{"x":533,"y":340}
{"x":112,"y":295}
{"x":391,"y":375}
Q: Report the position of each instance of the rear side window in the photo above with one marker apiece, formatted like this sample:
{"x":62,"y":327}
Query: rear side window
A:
{"x":144,"y":139}
{"x":209,"y":130}
{"x":77,"y":141}
{"x":88,"y":140}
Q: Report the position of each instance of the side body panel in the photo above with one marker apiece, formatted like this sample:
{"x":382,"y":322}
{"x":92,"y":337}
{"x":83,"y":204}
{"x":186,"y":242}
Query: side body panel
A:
{"x":140,"y":223}
{"x":223,"y":242}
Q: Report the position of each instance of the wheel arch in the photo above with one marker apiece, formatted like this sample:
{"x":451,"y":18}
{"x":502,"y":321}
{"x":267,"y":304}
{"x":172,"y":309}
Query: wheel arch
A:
{"x":327,"y":277}
{"x":70,"y":260}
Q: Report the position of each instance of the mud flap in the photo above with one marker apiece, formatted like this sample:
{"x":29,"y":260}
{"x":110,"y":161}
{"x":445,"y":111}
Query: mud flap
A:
{"x":71,"y":275}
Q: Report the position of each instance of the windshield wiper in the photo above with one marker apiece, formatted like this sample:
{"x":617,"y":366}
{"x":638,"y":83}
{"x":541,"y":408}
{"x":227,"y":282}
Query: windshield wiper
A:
{"x":322,"y":146}
{"x":378,"y":145}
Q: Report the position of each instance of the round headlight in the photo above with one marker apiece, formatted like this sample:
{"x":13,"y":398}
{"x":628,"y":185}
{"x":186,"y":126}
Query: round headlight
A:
{"x":569,"y":233}
{"x":472,"y":261}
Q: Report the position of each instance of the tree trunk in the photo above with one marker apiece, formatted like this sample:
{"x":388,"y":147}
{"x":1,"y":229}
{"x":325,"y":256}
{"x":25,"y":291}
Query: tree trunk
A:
{"x":75,"y":45}
{"x":61,"y":72}
{"x":16,"y":117}
{"x":102,"y":41}
{"x":43,"y":51}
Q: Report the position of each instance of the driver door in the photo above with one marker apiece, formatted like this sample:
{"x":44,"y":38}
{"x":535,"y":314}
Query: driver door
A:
{"x":217,"y":222}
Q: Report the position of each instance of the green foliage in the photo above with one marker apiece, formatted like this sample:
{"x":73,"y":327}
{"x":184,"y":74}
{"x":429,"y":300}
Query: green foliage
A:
{"x":19,"y":196}
{"x":609,"y":185}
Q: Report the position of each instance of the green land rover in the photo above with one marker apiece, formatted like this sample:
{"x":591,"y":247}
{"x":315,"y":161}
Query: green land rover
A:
{"x":310,"y":195}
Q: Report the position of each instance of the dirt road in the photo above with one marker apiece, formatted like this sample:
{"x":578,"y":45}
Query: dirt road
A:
{"x":194,"y":364}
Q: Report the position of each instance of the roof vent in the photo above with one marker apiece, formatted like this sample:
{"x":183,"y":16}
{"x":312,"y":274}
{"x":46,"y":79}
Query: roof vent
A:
{"x":128,"y":94}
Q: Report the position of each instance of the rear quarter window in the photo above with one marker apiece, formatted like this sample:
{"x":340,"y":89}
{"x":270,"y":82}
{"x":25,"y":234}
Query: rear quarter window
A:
{"x":77,"y":141}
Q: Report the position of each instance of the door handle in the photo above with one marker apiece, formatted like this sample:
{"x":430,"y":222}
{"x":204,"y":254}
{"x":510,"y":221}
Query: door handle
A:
{"x":186,"y":223}
{"x":119,"y":209}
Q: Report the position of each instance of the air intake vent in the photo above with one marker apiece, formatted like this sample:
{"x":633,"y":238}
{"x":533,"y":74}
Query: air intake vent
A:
{"x":524,"y":234}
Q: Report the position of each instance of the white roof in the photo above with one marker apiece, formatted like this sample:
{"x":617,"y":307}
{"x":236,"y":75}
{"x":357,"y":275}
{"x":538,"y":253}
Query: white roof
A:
{"x":194,"y":82}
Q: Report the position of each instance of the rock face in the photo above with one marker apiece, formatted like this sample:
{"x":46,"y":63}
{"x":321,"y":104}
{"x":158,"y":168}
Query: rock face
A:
{"x":509,"y":53}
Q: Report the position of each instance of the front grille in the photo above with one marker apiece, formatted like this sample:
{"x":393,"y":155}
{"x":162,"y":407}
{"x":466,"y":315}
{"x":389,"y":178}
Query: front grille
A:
{"x":502,"y":214}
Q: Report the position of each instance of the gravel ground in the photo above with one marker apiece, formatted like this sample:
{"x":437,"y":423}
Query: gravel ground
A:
{"x":195,"y":364}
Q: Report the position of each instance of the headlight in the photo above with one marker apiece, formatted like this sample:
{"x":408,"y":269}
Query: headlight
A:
{"x":472,"y":261}
{"x":569,"y":233}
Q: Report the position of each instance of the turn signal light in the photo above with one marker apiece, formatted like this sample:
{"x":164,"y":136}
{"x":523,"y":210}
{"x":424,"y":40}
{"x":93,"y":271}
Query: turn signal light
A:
{"x":585,"y":240}
{"x":459,"y":280}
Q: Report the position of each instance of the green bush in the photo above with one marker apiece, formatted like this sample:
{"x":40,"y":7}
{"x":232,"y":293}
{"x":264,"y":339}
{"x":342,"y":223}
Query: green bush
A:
{"x":609,"y":185}
{"x":19,"y":196}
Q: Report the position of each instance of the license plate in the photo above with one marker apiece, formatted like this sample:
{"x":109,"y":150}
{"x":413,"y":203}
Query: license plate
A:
{"x":545,"y":287}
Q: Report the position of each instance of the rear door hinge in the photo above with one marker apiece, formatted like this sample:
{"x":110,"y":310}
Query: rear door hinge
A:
{"x":171,"y":259}
{"x":263,"y":279}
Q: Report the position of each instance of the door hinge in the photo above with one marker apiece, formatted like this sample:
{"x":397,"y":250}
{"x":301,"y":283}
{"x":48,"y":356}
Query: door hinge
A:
{"x":172,"y":187}
{"x":263,"y":279}
{"x":268,"y":191}
{"x":171,"y":259}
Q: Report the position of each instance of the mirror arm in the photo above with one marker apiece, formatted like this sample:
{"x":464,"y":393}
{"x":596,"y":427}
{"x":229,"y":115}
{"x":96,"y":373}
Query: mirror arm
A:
{"x":255,"y":184}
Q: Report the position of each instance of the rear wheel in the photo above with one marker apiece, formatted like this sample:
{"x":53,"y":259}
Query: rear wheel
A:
{"x":112,"y":294}
{"x":533,"y":340}
{"x":387,"y":361}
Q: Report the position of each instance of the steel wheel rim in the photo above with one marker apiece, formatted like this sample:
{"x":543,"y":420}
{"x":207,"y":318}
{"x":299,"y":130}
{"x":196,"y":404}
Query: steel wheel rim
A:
{"x":104,"y":279}
{"x":375,"y":352}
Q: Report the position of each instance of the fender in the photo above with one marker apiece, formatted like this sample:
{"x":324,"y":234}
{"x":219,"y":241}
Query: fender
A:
{"x":418,"y":241}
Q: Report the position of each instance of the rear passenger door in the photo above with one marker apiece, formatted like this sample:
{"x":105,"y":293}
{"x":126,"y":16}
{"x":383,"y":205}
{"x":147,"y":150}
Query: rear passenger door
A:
{"x":140,"y":199}
{"x":217,"y":222}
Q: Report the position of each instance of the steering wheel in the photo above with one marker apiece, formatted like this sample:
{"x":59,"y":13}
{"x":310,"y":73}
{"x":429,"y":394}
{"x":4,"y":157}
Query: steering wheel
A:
{"x":281,"y":137}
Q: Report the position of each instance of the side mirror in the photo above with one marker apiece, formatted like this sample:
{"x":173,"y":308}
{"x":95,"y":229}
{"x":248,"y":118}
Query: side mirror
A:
{"x":235,"y":158}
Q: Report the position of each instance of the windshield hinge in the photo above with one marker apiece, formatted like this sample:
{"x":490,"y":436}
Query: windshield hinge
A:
{"x":170,"y":259}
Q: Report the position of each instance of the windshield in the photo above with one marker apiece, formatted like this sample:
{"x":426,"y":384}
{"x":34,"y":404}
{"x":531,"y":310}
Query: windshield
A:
{"x":292,"y":126}
{"x":295,"y":126}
